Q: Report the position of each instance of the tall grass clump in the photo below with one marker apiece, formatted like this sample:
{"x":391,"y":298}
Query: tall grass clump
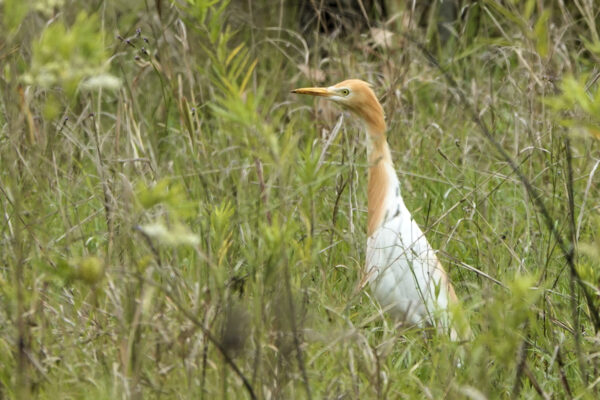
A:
{"x":176,"y":225}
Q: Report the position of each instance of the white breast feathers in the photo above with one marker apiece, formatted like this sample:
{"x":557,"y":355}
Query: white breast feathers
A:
{"x":403,"y":270}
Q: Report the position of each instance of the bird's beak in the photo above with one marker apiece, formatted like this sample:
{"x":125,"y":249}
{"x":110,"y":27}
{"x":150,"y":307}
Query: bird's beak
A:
{"x":314,"y":91}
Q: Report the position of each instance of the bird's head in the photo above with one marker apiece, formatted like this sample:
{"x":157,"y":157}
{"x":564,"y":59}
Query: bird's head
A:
{"x":356,"y":96}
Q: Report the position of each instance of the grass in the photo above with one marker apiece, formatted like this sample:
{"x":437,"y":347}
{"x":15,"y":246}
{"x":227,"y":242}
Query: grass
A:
{"x":181,"y":226}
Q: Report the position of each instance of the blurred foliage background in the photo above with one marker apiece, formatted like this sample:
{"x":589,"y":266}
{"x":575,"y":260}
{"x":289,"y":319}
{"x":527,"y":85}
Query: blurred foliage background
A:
{"x":175,"y":224}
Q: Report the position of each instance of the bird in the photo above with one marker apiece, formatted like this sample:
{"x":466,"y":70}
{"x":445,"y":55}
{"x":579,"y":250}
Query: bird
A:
{"x":401,"y":268}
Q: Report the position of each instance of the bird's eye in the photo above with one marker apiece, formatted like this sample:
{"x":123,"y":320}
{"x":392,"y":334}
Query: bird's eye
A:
{"x":345,"y":92}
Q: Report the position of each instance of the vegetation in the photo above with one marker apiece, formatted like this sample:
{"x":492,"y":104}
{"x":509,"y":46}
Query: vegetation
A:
{"x":176,"y":224}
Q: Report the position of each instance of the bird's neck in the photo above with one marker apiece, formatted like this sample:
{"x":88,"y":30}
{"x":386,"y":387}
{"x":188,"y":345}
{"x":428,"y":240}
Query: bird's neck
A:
{"x":377,"y":147}
{"x":382,"y":176}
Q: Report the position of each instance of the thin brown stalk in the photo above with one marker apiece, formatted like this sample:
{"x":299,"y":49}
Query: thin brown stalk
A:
{"x":573,"y":297}
{"x":295,"y":332}
{"x":264,"y":196}
{"x":521,"y":365}
{"x":563,"y":378}
{"x":535,"y":383}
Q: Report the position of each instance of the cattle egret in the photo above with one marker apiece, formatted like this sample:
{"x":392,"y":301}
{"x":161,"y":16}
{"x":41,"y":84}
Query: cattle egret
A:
{"x":402,"y":268}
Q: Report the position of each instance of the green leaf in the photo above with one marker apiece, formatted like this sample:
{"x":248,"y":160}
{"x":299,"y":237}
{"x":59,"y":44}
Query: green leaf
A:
{"x":529,"y":7}
{"x":499,"y":8}
{"x":14,"y":11}
{"x":542,"y":40}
